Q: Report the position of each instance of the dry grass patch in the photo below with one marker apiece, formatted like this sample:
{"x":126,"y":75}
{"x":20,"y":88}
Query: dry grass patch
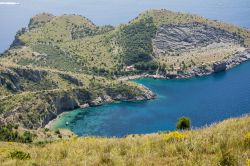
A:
{"x":222,"y":143}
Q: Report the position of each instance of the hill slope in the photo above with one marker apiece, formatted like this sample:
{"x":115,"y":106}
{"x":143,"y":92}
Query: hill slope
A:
{"x":144,"y":45}
{"x":59,"y":63}
{"x":226,"y":143}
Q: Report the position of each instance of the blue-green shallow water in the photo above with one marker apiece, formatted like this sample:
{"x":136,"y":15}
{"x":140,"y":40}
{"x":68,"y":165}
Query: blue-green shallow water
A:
{"x":205,"y":100}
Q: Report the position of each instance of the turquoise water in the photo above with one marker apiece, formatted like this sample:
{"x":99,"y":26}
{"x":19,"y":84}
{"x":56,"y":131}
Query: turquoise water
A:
{"x":205,"y":100}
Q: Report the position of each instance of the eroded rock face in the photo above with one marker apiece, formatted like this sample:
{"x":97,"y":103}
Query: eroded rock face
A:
{"x":219,"y":66}
{"x":72,"y":79}
{"x":12,"y":77}
{"x":32,"y":75}
{"x":183,"y":37}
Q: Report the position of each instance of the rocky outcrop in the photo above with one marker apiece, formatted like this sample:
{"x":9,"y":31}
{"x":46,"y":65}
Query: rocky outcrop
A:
{"x":82,"y":99}
{"x":183,"y":37}
{"x":17,"y":41}
{"x":45,"y":106}
{"x":31,"y":74}
{"x":72,"y":79}
{"x":219,"y":66}
{"x":11,"y":77}
{"x":193,"y":71}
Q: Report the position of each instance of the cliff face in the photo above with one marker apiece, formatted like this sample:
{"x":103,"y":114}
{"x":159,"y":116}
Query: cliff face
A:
{"x":184,"y":37}
{"x":44,"y":107}
{"x":215,"y":67}
{"x":34,"y":97}
{"x":11,"y":77}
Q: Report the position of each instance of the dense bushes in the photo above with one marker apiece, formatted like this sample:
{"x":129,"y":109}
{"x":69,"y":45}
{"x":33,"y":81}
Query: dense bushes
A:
{"x":147,"y":66}
{"x":183,"y":123}
{"x":9,"y":133}
{"x":136,"y":41}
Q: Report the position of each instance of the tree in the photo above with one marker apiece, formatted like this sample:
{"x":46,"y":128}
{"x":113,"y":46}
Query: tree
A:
{"x":183,"y":123}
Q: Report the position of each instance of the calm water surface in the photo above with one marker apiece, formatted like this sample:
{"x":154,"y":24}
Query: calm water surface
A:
{"x":205,"y":100}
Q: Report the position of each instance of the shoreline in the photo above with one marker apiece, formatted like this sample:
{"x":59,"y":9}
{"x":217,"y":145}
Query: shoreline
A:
{"x":101,"y":100}
{"x":216,"y":67}
{"x":224,"y":65}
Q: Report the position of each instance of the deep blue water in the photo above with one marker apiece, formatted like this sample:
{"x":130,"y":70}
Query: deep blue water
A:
{"x":13,"y":17}
{"x":205,"y":100}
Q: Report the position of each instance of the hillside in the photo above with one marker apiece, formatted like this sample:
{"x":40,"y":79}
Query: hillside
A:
{"x":226,"y":143}
{"x":59,"y":63}
{"x":33,"y":97}
{"x":156,"y":42}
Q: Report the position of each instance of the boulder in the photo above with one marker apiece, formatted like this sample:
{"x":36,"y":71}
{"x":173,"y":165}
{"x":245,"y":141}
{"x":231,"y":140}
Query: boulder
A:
{"x":30,"y":74}
{"x":219,"y":66}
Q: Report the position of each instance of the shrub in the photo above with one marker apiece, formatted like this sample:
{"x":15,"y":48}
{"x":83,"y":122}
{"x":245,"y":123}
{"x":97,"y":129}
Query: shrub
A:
{"x":19,"y":155}
{"x":136,"y":41}
{"x":27,"y":137}
{"x":46,"y":129}
{"x":8,"y":134}
{"x":227,"y":159}
{"x":57,"y":131}
{"x":59,"y":135}
{"x":175,"y":136}
{"x":183,"y":123}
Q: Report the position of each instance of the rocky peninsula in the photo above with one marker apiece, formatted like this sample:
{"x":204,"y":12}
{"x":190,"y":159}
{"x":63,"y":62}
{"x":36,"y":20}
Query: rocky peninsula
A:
{"x":60,"y":63}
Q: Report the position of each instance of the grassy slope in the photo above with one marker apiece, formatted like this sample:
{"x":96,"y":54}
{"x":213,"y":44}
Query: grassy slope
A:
{"x":218,"y":144}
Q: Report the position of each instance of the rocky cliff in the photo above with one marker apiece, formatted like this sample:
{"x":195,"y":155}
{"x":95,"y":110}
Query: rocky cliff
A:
{"x":173,"y":39}
{"x":33,"y":97}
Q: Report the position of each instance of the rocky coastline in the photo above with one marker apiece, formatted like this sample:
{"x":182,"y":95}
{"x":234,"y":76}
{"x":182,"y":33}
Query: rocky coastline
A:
{"x":216,"y":67}
{"x":192,"y":72}
{"x":100,"y":100}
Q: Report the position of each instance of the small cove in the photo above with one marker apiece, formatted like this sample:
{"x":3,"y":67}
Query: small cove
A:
{"x":205,"y":100}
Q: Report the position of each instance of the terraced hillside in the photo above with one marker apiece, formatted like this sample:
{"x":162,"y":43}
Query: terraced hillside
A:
{"x":64,"y":62}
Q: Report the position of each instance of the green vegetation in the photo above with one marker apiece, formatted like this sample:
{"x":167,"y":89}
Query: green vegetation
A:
{"x":136,"y":41}
{"x":19,"y":155}
{"x":183,"y":123}
{"x":73,"y":43}
{"x":41,"y":94}
{"x":62,"y":63}
{"x":69,"y":58}
{"x":10,"y":133}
